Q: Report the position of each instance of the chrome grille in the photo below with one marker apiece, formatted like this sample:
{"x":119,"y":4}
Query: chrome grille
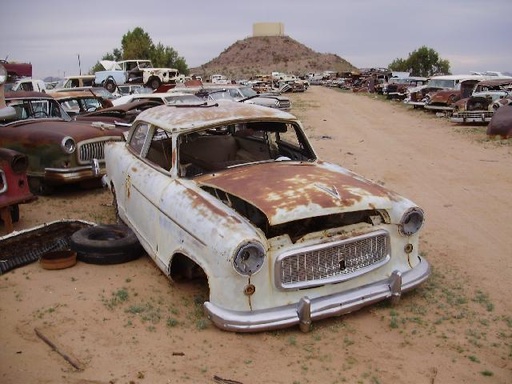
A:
{"x":284,"y":104}
{"x":93,"y":149}
{"x":333,"y":262}
{"x":476,"y":114}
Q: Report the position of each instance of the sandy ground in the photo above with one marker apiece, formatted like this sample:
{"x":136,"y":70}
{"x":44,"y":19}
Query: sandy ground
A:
{"x":128,"y":324}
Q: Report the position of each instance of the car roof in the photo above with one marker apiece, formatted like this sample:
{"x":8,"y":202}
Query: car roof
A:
{"x":495,"y":82}
{"x":196,"y":117}
{"x":27,"y":95}
{"x":155,"y":95}
{"x":71,"y":94}
{"x":80,"y":77}
{"x":462,"y":77}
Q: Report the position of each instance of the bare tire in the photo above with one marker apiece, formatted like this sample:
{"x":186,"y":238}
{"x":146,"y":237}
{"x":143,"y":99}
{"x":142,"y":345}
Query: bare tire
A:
{"x":106,"y":244}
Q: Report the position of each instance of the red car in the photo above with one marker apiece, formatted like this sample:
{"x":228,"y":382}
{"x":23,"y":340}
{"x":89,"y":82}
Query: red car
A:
{"x":14,"y":189}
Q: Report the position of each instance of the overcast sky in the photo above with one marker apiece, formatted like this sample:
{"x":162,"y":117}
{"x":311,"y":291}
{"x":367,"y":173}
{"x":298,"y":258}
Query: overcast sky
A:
{"x":474,"y":35}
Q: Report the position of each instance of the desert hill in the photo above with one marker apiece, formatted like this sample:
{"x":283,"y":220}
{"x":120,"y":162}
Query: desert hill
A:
{"x":265,"y":54}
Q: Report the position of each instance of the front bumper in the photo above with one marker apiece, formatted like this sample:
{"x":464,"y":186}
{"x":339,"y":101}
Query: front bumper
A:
{"x":73,"y":175}
{"x":438,"y":107}
{"x":308,"y":310}
{"x":472,"y":117}
{"x":416,"y":104}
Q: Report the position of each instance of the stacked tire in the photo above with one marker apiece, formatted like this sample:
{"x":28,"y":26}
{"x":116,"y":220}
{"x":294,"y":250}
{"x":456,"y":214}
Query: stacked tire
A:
{"x":106,"y":244}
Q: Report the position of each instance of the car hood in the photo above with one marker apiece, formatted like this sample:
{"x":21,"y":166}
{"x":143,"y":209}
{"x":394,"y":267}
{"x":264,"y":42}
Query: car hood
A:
{"x":110,"y":65}
{"x":47,"y":129}
{"x":287,"y":191}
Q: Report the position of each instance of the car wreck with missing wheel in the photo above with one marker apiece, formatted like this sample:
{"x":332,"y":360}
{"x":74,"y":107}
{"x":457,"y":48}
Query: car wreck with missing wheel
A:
{"x":235,"y":194}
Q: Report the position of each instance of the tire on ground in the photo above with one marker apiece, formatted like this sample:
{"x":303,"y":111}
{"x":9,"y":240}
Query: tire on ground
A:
{"x":106,"y":244}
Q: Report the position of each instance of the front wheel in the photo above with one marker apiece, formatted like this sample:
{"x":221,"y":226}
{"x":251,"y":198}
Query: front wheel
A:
{"x":110,"y":85}
{"x":15,"y":213}
{"x":39,"y":187}
{"x":154,"y":83}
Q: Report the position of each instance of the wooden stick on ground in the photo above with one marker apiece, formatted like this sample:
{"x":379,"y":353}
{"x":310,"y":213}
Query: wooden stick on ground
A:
{"x":219,"y":379}
{"x":70,"y":359}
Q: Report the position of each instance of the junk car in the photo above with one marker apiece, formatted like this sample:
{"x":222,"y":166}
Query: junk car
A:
{"x":444,"y":99}
{"x":241,"y":93}
{"x":234,"y":193}
{"x":60,"y":151}
{"x":421,"y":96}
{"x":396,"y":87}
{"x":80,"y":102}
{"x":485,"y":99}
{"x":14,"y":189}
{"x":501,"y":122}
{"x":120,"y":115}
{"x":161,"y":98}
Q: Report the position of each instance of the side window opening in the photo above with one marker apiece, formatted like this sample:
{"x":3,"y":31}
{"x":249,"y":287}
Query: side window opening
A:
{"x":138,"y":138}
{"x":160,"y":149}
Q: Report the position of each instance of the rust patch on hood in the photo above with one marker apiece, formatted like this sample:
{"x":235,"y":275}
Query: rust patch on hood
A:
{"x":287,"y":191}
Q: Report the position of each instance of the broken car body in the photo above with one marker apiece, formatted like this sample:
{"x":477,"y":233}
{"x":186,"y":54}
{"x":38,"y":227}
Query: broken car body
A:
{"x":60,"y":151}
{"x":480,"y":106}
{"x":134,"y":72}
{"x":235,"y":192}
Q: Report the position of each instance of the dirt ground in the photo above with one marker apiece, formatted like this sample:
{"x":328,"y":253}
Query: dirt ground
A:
{"x":128,"y":324}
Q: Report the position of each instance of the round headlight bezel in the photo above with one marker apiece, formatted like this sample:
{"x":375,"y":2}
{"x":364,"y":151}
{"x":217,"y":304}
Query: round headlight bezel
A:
{"x":68,"y":145}
{"x":249,"y":258}
{"x":411,"y":222}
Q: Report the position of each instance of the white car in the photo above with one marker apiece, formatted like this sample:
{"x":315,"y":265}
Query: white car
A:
{"x":161,"y":97}
{"x":241,"y":93}
{"x":235,"y":194}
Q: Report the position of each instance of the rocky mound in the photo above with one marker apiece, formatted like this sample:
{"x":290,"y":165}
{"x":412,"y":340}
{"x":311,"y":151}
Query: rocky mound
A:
{"x":265,"y":54}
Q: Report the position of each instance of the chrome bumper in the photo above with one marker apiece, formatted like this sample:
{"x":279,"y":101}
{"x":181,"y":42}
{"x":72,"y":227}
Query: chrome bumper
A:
{"x":415,"y":103}
{"x":438,"y":107}
{"x":470,"y":119}
{"x":71,"y":175}
{"x":308,"y":310}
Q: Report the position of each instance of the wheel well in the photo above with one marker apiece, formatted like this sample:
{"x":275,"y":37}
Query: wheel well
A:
{"x":183,"y":268}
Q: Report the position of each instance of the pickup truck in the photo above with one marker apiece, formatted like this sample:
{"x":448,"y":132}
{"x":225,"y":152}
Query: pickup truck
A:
{"x":111,"y":77}
{"x":26,"y":84}
{"x":134,"y":72}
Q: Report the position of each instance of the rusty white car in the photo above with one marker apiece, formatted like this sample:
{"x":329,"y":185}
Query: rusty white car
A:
{"x":235,"y":194}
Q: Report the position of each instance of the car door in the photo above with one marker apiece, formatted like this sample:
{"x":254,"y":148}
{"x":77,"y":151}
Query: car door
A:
{"x":143,"y":185}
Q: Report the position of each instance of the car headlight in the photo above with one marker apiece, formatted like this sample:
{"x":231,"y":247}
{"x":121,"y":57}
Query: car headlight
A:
{"x":249,"y":258}
{"x":68,"y":145}
{"x":411,"y":221}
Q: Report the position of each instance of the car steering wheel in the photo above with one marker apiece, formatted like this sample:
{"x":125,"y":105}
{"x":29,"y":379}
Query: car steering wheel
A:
{"x":39,"y":113}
